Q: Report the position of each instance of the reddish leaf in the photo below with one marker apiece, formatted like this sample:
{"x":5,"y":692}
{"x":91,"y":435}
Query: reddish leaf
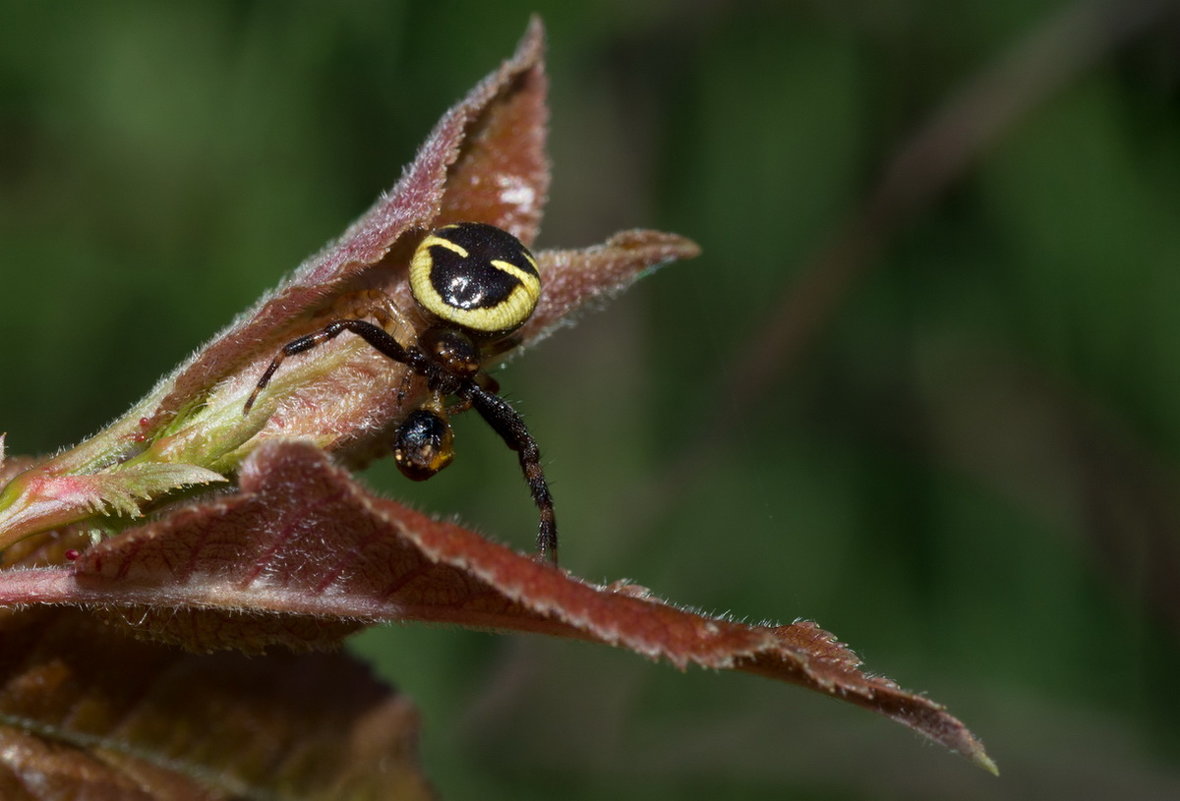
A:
{"x":501,"y":175}
{"x":572,"y":277}
{"x":303,"y":539}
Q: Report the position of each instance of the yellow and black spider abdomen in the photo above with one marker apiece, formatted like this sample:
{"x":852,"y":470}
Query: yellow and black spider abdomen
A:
{"x":475,"y":276}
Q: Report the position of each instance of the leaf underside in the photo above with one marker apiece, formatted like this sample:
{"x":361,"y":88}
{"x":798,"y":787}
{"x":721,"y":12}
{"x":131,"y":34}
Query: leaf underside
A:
{"x":305,"y":553}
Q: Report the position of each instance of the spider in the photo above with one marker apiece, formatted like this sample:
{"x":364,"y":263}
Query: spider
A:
{"x":479,"y":283}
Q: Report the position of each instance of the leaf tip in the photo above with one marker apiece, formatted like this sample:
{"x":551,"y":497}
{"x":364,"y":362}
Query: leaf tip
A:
{"x":673,"y":248}
{"x":534,"y":33}
{"x":981,"y":759}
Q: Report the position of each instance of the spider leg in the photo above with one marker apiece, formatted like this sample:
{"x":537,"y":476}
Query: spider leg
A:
{"x":375,"y":304}
{"x":403,"y":388}
{"x":374,"y":335}
{"x":458,"y":408}
{"x":500,"y":415}
{"x":500,"y":346}
{"x":486,"y":382}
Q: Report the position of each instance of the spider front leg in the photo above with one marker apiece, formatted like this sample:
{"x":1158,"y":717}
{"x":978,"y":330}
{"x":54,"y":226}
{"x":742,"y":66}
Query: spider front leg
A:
{"x":500,"y":415}
{"x":376,"y":336}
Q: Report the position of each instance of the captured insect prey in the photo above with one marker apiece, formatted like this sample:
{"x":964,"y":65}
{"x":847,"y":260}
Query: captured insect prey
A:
{"x":481,"y":284}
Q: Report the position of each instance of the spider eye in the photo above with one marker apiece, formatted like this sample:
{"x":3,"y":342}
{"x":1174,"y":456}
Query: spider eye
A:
{"x":477,"y":277}
{"x":423,"y":445}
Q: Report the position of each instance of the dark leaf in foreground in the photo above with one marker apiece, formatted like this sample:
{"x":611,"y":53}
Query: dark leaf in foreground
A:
{"x":87,"y":712}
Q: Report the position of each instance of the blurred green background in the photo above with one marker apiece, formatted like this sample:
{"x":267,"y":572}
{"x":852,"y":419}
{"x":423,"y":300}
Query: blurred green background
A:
{"x":940,"y":415}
